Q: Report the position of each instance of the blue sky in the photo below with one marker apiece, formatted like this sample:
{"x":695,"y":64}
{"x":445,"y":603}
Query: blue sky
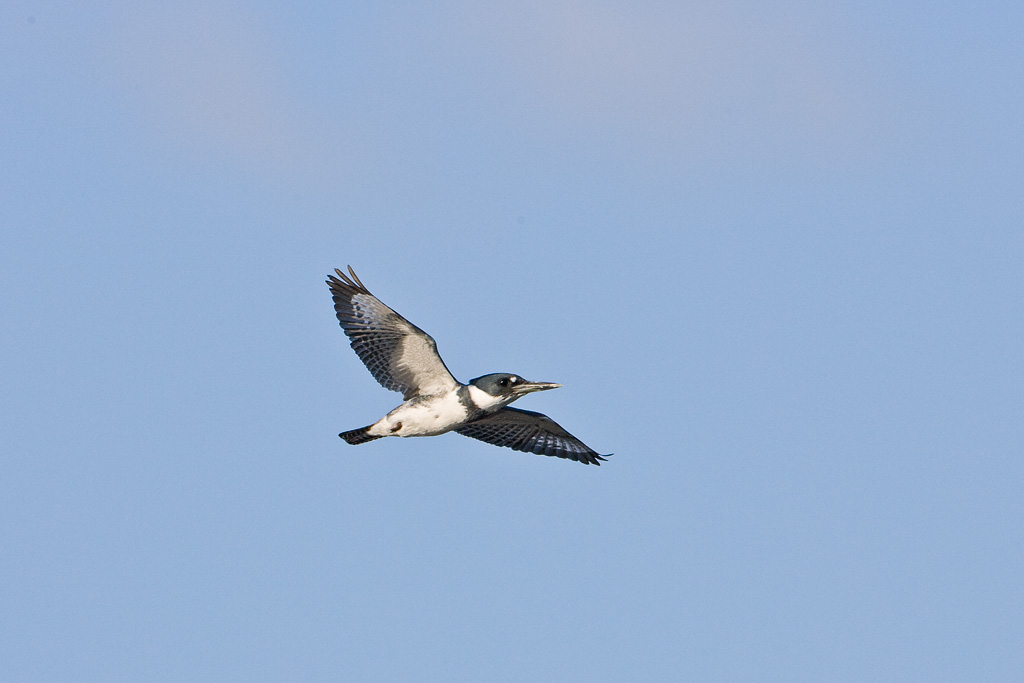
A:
{"x":773,"y":251}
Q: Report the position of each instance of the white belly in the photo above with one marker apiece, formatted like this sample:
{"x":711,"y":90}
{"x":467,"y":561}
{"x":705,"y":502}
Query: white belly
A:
{"x":422,"y":416}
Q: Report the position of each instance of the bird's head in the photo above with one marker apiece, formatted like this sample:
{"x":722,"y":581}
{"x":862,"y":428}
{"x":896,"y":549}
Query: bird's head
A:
{"x":503,"y":387}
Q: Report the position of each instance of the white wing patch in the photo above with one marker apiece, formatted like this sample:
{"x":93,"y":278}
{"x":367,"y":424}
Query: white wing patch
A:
{"x":419,"y":360}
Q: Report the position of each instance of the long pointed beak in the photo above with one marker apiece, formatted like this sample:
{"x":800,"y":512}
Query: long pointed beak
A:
{"x":530,"y":387}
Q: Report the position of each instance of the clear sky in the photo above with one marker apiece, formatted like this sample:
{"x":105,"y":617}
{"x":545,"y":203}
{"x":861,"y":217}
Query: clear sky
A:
{"x":774,"y":252}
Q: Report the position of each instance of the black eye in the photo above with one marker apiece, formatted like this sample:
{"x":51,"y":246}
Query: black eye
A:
{"x":503,"y":382}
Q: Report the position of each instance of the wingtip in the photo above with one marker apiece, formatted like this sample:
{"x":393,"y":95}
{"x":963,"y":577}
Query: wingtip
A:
{"x":349,"y":279}
{"x":356,"y":279}
{"x":342,"y":279}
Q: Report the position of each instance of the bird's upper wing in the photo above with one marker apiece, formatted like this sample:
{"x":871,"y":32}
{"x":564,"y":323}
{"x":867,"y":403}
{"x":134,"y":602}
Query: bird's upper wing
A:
{"x":524,"y":430}
{"x":399,"y":355}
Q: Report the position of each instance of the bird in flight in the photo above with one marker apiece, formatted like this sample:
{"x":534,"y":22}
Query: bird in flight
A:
{"x":404,"y":358}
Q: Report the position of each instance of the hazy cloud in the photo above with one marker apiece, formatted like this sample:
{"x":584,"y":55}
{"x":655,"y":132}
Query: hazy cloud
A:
{"x":209,"y":77}
{"x":693,"y":79}
{"x":696,"y":75}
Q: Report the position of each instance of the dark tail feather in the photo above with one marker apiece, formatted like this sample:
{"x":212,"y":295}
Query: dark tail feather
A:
{"x":358,"y":436}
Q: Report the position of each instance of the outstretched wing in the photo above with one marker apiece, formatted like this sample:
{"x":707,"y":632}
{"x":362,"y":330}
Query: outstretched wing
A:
{"x":399,"y":355}
{"x":530,"y":432}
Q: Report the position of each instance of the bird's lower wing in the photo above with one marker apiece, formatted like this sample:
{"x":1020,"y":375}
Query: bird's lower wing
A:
{"x":399,"y":355}
{"x":530,"y":432}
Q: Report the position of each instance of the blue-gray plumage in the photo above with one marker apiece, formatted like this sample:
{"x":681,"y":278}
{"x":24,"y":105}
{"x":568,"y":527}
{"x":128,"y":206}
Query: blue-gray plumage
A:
{"x":404,"y":358}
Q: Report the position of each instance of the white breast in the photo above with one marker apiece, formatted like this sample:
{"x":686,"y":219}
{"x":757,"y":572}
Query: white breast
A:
{"x":423,"y":417}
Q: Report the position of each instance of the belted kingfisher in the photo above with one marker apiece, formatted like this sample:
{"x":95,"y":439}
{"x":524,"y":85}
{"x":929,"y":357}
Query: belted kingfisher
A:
{"x":404,"y":358}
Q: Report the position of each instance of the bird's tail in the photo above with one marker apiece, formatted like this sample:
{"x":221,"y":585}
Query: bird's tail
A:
{"x":361,"y":435}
